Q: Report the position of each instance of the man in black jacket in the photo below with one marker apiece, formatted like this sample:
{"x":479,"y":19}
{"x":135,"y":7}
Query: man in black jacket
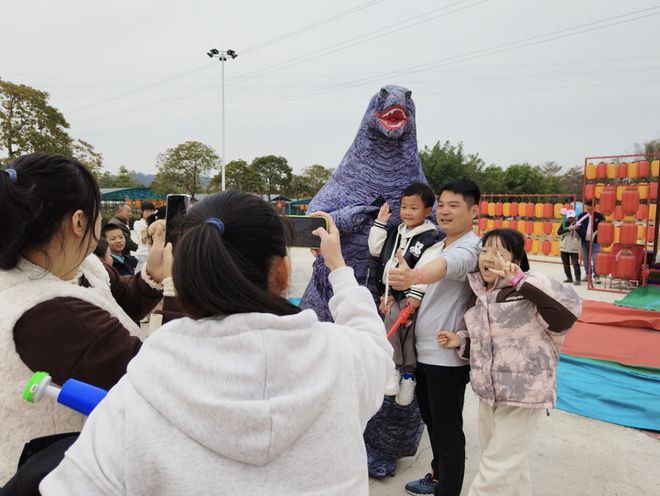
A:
{"x":587,"y":229}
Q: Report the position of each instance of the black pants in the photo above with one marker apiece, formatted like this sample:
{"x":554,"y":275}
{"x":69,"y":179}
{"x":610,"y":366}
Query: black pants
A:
{"x":571,"y":258}
{"x":440,"y":395}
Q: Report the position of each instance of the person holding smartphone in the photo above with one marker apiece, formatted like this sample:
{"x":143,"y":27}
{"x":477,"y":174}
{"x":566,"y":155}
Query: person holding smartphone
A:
{"x":248,"y":389}
{"x":63,"y":310}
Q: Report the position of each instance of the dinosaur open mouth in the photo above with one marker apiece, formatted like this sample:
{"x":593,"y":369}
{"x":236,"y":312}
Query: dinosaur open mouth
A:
{"x":393,"y":117}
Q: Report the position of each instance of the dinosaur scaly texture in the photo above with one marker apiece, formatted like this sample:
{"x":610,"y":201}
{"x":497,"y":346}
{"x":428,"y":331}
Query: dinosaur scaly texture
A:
{"x":382,"y":160}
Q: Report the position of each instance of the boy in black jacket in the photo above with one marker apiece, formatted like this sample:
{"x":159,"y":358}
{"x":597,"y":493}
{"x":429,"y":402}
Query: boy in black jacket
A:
{"x":413,"y":236}
{"x":587,"y":228}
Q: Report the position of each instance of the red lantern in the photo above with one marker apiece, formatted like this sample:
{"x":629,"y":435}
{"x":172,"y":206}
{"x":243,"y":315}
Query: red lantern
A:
{"x":644,"y":168}
{"x":546,"y":247}
{"x":498,"y":224}
{"x":528,"y":244}
{"x":529,"y":210}
{"x":605,"y":233}
{"x":529,"y":227}
{"x":601,"y":170}
{"x":630,"y":201}
{"x":483,"y":223}
{"x":589,"y":191}
{"x":650,"y":233}
{"x":547,"y":210}
{"x":514,"y":209}
{"x":483,"y":208}
{"x":622,"y":170}
{"x":547,"y":227}
{"x":498,"y":209}
{"x":603,"y":263}
{"x":618,"y":213}
{"x":626,"y":265}
{"x":641,"y":214}
{"x":628,"y":233}
{"x":653,"y":190}
{"x":607,"y":200}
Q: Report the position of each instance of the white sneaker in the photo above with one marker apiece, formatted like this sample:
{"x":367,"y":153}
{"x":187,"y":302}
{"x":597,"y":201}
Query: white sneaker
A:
{"x":392,"y":388}
{"x":406,"y":392}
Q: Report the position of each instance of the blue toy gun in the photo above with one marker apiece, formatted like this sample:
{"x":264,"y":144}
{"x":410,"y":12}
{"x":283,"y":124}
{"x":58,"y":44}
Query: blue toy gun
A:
{"x":77,"y":395}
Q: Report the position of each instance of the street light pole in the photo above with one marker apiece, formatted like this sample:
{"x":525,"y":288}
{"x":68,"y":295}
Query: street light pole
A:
{"x":222,"y":55}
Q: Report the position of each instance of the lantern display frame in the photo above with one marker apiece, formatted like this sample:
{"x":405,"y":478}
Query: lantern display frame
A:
{"x":593,"y":180}
{"x":527,"y":199}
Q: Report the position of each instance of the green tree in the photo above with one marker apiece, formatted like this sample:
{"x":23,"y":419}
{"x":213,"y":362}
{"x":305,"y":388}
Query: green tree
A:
{"x":448,"y":162}
{"x":85,"y":153}
{"x":275,"y":173}
{"x":179,"y":169}
{"x":29,"y":124}
{"x":238,"y":175}
{"x":523,"y":179}
{"x":491,"y":179}
{"x":123,"y":179}
{"x":551,"y":172}
{"x":571,"y":181}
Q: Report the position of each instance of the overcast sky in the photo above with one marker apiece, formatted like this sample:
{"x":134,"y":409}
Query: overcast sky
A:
{"x":514,"y":80}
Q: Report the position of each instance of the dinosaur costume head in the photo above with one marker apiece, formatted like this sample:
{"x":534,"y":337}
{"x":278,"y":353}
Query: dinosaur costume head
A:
{"x":391,"y":113}
{"x":382,"y":161}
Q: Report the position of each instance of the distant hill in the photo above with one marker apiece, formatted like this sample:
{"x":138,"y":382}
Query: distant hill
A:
{"x":145,"y":179}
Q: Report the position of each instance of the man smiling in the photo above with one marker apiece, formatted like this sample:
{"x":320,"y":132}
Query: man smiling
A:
{"x":441,"y":375}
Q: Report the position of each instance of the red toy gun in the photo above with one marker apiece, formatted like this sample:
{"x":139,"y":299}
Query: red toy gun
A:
{"x":403,"y":318}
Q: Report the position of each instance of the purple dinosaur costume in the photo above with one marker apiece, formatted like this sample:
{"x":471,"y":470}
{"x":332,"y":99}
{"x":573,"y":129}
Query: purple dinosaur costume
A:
{"x":382,"y":160}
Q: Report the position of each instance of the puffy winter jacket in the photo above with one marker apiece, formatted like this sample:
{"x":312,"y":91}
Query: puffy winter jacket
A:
{"x":513,"y":337}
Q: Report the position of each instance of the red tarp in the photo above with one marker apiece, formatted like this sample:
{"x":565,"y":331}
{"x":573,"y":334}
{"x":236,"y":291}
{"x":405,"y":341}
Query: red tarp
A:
{"x":619,"y":334}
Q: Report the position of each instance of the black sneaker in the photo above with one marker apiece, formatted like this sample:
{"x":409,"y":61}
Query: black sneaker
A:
{"x":577,"y":283}
{"x":568,"y":280}
{"x":422,"y":486}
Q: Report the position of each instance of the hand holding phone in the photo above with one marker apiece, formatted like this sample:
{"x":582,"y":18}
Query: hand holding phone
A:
{"x":177,"y":206}
{"x":302,"y":227}
{"x":330,"y":243}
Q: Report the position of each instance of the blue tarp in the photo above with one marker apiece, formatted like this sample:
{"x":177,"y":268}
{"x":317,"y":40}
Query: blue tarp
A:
{"x":608,"y":391}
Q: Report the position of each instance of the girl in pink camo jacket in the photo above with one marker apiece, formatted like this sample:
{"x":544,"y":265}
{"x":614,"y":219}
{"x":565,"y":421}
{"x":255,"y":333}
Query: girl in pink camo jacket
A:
{"x":514,"y":331}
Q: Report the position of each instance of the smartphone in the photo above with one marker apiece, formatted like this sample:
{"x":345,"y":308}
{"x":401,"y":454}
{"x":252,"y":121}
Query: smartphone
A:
{"x":177,"y":206}
{"x":379,"y":202}
{"x":302,"y":227}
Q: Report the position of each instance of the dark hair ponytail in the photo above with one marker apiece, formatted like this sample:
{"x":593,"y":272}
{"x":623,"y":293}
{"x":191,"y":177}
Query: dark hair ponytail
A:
{"x":228,"y":272}
{"x":35,"y":201}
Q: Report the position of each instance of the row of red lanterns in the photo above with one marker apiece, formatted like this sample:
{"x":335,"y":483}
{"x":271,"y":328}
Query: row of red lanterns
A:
{"x":522,"y":209}
{"x":628,"y":233}
{"x":618,"y":192}
{"x":623,"y":266}
{"x":622,"y":170}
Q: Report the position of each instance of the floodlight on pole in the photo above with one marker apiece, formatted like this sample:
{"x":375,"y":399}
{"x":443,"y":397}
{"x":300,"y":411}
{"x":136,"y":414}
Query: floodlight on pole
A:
{"x":222,"y":56}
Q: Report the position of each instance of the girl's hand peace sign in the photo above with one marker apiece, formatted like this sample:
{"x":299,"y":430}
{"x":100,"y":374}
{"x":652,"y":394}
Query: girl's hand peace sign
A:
{"x":508,"y":270}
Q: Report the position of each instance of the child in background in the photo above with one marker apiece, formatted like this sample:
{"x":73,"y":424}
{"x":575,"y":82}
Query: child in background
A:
{"x":125,"y":264}
{"x":147,"y":208}
{"x":413,"y":236}
{"x":102,"y":251}
{"x":514,"y":331}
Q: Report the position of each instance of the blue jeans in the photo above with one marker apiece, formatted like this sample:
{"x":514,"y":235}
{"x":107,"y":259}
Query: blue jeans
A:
{"x":585,"y":256}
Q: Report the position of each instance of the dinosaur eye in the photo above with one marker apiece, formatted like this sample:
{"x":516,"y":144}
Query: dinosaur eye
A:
{"x":384,"y":92}
{"x":408,"y":94}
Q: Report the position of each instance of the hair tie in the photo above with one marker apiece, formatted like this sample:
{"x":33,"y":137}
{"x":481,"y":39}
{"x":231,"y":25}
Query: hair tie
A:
{"x":217,"y":223}
{"x":13,"y":176}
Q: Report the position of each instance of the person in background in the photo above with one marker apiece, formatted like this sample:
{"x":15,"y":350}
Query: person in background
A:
{"x":121,"y":219}
{"x":250,"y":387}
{"x":147,"y":208}
{"x":102,"y":251}
{"x":587,"y":228}
{"x":512,"y":338}
{"x":569,"y":247}
{"x":62,"y":310}
{"x":441,"y":375}
{"x":124,"y":264}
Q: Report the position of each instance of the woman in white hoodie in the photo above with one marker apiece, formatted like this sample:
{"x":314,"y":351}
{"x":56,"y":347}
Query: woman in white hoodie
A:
{"x":250,"y":394}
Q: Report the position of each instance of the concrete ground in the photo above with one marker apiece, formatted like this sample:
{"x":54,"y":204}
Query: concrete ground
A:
{"x":573,"y":455}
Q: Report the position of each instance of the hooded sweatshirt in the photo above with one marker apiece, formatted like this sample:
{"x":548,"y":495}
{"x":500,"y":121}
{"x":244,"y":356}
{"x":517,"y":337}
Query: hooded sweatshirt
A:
{"x":252,"y":402}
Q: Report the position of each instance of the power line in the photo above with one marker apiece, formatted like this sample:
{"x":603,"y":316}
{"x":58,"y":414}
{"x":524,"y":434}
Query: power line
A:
{"x":309,"y":27}
{"x":351,"y":42}
{"x":296,"y":32}
{"x":513,"y":45}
